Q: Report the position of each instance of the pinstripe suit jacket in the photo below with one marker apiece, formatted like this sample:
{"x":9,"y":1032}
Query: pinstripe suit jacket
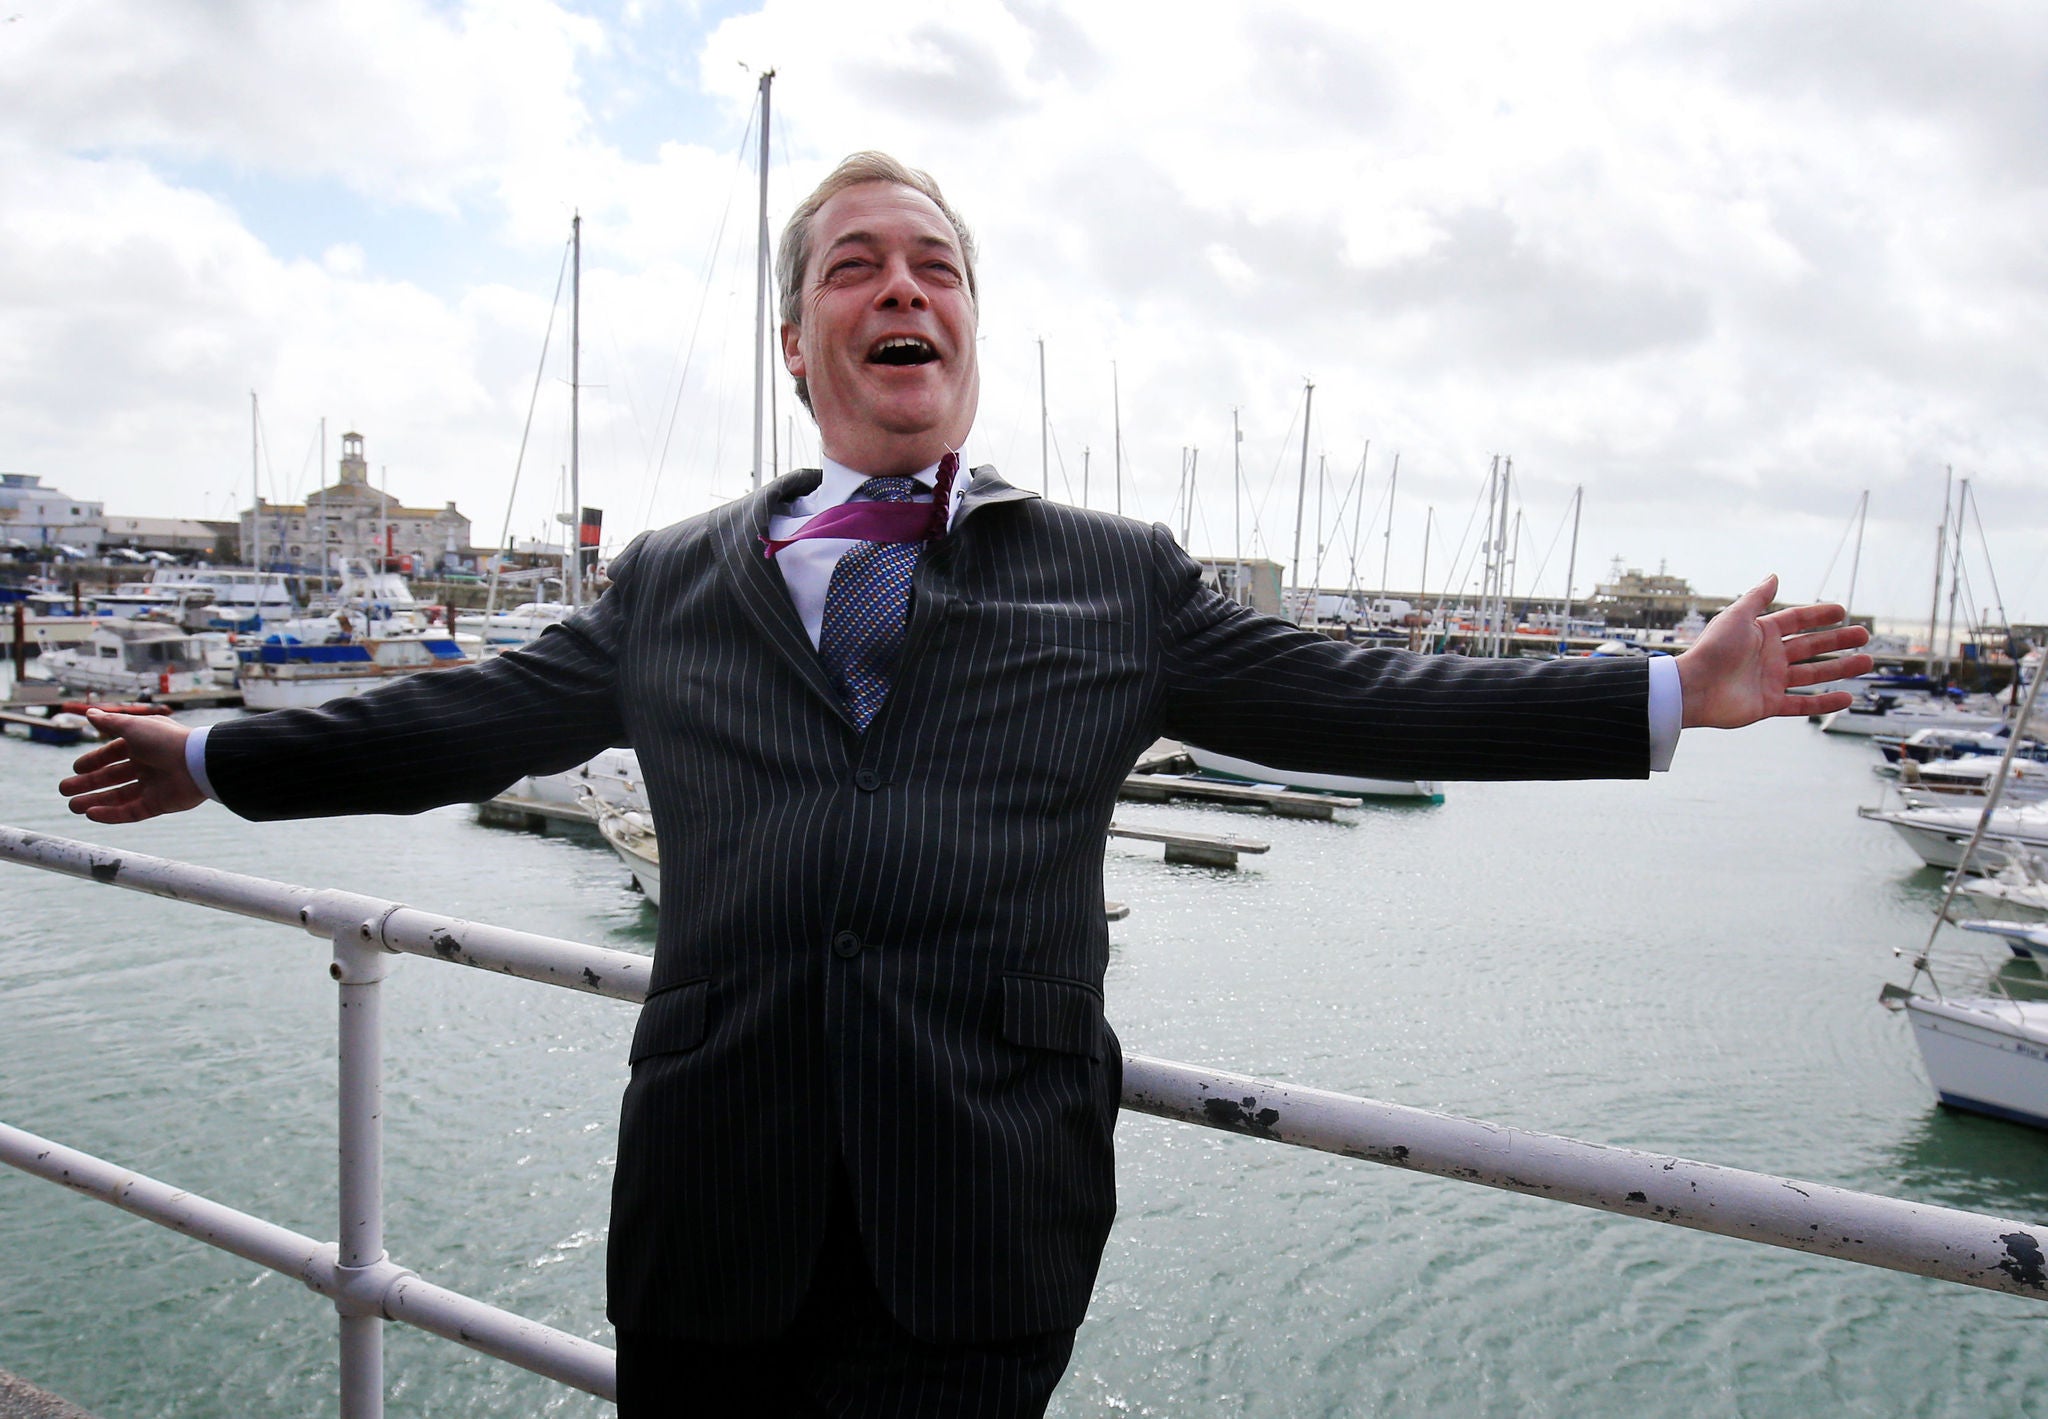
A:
{"x":890,"y":947}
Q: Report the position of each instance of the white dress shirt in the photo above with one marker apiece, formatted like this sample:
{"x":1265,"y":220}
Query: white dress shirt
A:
{"x":807,"y":566}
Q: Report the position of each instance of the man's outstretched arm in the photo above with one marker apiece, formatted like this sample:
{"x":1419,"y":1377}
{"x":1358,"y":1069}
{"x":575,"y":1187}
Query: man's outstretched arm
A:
{"x":1746,"y":663}
{"x":139,"y":772}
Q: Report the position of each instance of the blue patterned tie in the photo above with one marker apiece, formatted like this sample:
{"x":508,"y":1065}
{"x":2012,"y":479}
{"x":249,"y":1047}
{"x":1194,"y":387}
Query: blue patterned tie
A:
{"x":865,"y":606}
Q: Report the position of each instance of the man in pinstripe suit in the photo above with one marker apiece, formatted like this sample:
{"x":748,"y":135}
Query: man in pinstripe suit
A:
{"x":865,"y":1157}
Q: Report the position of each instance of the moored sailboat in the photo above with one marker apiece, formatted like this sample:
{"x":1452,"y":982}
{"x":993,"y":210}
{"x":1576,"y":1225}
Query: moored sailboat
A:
{"x":1984,"y":1053}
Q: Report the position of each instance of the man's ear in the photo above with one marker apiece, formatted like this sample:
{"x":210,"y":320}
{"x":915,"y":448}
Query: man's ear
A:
{"x":792,"y":350}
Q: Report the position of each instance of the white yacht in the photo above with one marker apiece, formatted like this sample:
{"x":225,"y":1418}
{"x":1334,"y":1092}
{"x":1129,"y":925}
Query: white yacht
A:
{"x":192,"y":607}
{"x":524,"y":622}
{"x":286,"y":671}
{"x":1964,"y":781}
{"x":1885,"y":715}
{"x":1984,"y":1054}
{"x":1940,"y":835}
{"x":242,"y":597}
{"x":613,"y":776}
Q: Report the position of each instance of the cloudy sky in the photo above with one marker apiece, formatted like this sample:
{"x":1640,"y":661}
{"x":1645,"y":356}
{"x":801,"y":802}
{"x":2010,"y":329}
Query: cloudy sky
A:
{"x":1725,"y":266}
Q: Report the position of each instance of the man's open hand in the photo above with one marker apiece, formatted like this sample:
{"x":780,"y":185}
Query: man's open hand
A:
{"x":1744,"y":664}
{"x":138,"y":773}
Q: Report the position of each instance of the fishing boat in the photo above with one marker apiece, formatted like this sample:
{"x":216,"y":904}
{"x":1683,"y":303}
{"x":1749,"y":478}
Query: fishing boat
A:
{"x":1223,"y":766}
{"x":131,"y":658}
{"x":283,"y":671}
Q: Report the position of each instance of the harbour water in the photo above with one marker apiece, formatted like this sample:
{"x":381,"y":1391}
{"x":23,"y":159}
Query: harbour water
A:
{"x":1688,"y":965}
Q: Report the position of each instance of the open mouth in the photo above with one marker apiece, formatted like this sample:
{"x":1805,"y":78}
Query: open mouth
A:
{"x":902,"y":350}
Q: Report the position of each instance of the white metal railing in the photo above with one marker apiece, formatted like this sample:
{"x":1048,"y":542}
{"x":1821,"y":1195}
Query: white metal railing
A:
{"x":367,"y":1288}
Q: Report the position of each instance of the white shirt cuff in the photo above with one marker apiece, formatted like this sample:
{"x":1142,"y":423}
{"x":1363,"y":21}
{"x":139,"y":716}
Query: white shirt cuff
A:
{"x":1667,"y":711}
{"x":195,"y":760}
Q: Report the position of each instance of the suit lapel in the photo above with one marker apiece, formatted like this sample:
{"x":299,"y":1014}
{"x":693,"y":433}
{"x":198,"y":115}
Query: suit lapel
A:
{"x":984,"y":490}
{"x":762,"y":591}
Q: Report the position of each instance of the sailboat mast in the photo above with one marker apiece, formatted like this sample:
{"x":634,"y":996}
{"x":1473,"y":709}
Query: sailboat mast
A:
{"x":1500,"y":582}
{"x":1940,"y":559}
{"x":761,"y":281}
{"x":1856,"y":557}
{"x":1351,"y":586}
{"x":323,"y":505}
{"x":1955,"y":566}
{"x":1507,"y":604}
{"x":1044,"y":426}
{"x":1187,"y":511}
{"x":1322,"y":490}
{"x":1571,"y":565}
{"x":1301,"y":494}
{"x":1387,"y":540}
{"x":1237,"y":504}
{"x":1116,"y":410}
{"x":1428,"y":526}
{"x":256,"y":506}
{"x":1487,"y":576}
{"x":573,"y":563}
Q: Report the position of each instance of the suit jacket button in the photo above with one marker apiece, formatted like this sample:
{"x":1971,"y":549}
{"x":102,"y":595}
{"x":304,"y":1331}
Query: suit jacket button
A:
{"x":846,"y":945}
{"x":867,"y":780}
{"x":956,"y":610}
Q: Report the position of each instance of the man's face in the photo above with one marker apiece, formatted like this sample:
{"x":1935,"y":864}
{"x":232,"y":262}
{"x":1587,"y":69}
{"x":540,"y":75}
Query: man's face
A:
{"x":886,"y":346}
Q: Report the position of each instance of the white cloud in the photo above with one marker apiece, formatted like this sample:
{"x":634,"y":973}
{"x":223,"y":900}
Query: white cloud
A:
{"x":389,"y":96}
{"x":1720,"y":271}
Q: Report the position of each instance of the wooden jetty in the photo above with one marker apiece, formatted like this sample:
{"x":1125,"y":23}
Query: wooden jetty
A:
{"x":1193,"y":849}
{"x":1280,"y":802}
{"x":533,"y":815}
{"x":210,"y":697}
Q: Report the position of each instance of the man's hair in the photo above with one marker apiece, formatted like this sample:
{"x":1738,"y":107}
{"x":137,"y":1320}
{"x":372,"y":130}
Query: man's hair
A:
{"x":794,"y":252}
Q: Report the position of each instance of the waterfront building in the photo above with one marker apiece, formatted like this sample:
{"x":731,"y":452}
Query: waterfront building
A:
{"x":36,"y":516}
{"x":183,"y":536}
{"x":1660,"y":602}
{"x":350,"y":518}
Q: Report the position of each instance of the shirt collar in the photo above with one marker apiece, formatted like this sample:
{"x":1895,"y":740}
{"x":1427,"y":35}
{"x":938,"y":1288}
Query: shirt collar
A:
{"x":840,"y":483}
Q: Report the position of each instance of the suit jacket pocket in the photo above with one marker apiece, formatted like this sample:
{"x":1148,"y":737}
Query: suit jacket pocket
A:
{"x":1045,"y":1012}
{"x":671,"y":1021}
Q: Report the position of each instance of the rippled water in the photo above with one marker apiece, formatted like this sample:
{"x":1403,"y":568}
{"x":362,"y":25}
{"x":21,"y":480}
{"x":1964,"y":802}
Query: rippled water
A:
{"x":1689,"y":965}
